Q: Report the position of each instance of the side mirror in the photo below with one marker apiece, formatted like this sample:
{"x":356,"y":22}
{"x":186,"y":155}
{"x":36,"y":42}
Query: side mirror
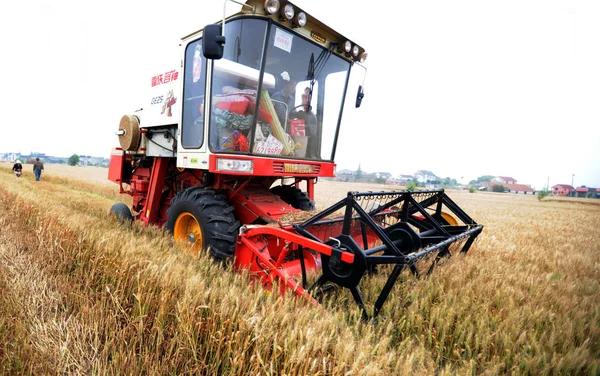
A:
{"x":213,"y":42}
{"x":359,"y":96}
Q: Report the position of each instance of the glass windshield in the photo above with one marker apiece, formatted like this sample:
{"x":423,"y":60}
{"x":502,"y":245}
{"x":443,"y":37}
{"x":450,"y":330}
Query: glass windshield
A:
{"x":300,"y":101}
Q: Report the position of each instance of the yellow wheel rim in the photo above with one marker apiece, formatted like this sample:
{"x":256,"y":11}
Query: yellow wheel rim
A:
{"x":450,"y":219}
{"x":188,"y":233}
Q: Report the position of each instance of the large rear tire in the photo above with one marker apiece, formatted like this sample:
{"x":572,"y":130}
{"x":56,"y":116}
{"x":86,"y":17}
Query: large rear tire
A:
{"x":294,"y":196}
{"x":201,"y":220}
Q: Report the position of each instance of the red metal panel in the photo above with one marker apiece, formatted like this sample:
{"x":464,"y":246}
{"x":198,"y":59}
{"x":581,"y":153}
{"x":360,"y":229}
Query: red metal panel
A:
{"x":157,"y":181}
{"x":253,"y":202}
{"x":274,"y":167}
{"x":115,"y":167}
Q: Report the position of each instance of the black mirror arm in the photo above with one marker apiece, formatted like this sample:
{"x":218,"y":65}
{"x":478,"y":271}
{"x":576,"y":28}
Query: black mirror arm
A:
{"x":359,"y":96}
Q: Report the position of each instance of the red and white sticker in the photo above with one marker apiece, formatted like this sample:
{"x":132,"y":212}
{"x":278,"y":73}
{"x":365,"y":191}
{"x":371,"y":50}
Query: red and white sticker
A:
{"x":283,"y":40}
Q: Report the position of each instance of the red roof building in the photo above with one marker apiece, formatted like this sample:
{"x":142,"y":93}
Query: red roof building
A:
{"x":587,"y":192}
{"x":562,"y":190}
{"x":519,"y":188}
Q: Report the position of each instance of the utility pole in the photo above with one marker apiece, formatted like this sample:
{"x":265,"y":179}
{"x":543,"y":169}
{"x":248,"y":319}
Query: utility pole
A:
{"x":572,"y":180}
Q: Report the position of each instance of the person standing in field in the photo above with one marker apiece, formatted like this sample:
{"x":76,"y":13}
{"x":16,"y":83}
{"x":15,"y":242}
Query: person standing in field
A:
{"x":38,"y":167}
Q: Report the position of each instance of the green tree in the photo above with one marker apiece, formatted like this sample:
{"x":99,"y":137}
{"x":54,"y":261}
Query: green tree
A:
{"x":411,"y":186}
{"x":484,"y":178}
{"x":73,"y":160}
{"x":543,"y":193}
{"x":472,"y":189}
{"x":498,"y":188}
{"x":358,"y":174}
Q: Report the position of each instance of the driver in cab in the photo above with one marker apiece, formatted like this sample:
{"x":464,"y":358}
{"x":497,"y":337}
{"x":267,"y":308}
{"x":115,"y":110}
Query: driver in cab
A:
{"x":286,"y":95}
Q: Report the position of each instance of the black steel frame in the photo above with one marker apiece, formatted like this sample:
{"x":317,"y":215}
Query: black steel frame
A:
{"x":419,"y":232}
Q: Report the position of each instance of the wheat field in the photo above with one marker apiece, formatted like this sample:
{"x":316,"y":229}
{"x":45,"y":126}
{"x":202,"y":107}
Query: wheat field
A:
{"x":80,"y":294}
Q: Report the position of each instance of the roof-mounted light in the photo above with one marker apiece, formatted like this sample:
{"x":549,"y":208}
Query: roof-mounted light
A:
{"x":363,"y":57}
{"x":300,"y":19}
{"x":287,"y":13}
{"x":347,"y":46}
{"x":355,"y":51}
{"x":271,"y":6}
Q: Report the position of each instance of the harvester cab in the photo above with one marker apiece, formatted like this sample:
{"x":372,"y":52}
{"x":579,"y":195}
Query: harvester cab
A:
{"x":220,"y":152}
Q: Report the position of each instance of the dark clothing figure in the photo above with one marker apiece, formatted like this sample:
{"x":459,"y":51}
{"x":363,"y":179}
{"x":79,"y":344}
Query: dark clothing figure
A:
{"x":38,"y":167}
{"x":17,"y":167}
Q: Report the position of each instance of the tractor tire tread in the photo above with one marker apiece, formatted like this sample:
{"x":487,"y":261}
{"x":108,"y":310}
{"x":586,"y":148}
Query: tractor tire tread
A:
{"x":294,"y":196}
{"x":214,"y":214}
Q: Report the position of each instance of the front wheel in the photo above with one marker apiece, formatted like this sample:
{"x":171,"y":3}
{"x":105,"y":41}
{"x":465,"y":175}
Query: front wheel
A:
{"x":294,"y":196}
{"x":122,"y":213}
{"x":202,"y":220}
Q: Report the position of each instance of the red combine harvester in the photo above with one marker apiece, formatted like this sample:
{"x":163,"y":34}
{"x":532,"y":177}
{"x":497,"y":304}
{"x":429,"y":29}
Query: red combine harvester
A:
{"x":257,"y":102}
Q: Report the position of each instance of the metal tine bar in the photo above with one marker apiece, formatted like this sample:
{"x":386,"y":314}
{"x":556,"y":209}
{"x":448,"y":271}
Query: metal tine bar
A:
{"x":454,"y":208}
{"x":429,"y":217}
{"x":385,"y":259}
{"x":413,"y":268}
{"x":350,"y":202}
{"x":302,"y":266}
{"x":404,"y":216}
{"x":318,"y":283}
{"x":324,"y":213}
{"x":359,"y":300}
{"x":363,"y":230}
{"x":391,"y":193}
{"x":387,"y":288}
{"x":387,"y":205}
{"x":470,"y":241}
{"x":450,"y":240}
{"x":438,"y":209}
{"x":440,"y":254}
{"x":382,"y":236}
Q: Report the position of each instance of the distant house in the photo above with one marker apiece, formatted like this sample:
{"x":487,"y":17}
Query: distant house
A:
{"x":345,"y":175}
{"x":519,"y":188}
{"x":504,"y":180}
{"x":586,"y":192}
{"x":405,"y":178}
{"x":562,"y":190}
{"x":424,"y":176}
{"x":383,"y":175}
{"x":512,"y":188}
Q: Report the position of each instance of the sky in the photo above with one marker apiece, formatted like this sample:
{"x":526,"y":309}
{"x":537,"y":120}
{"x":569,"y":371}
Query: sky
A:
{"x":462,"y":88}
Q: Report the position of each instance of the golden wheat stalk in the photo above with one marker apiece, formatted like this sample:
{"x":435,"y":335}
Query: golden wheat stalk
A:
{"x":276,"y":128}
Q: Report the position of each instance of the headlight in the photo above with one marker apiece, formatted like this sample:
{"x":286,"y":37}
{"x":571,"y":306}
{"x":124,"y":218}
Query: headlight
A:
{"x":301,"y":19}
{"x":287,"y":12}
{"x":363,"y":57}
{"x":271,"y":6}
{"x":235,"y":165}
{"x":355,"y":50}
{"x":347,"y":46}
